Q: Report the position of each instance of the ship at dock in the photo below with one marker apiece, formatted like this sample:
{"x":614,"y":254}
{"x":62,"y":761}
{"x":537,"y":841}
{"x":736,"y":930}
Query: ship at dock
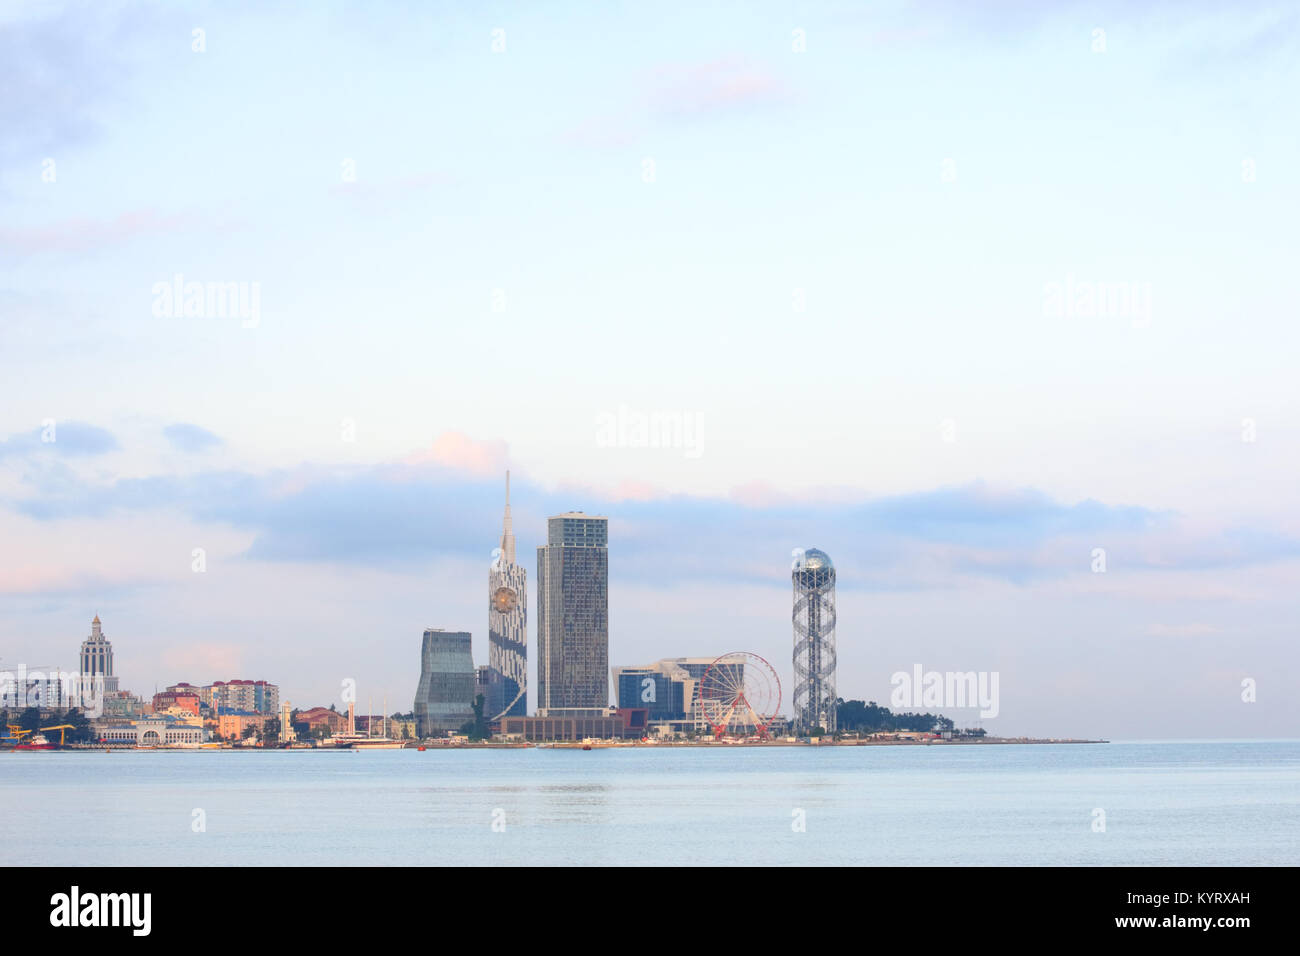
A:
{"x":367,"y":741}
{"x":16,"y":738}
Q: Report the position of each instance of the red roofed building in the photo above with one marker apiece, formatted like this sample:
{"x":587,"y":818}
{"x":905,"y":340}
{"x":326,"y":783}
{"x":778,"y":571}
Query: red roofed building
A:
{"x":187,"y":701}
{"x":332,"y":721}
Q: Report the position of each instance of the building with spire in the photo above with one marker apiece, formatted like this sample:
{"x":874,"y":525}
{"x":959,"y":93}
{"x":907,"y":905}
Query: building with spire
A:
{"x":97,"y":679}
{"x":506,"y":686}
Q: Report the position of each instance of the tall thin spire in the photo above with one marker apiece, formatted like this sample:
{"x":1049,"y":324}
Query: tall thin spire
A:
{"x":508,"y":533}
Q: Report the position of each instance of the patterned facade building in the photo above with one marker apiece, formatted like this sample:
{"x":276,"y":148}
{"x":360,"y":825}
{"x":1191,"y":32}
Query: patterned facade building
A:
{"x":507,"y":628}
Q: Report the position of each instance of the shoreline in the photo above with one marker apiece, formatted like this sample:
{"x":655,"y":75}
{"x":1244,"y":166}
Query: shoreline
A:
{"x":602,"y":745}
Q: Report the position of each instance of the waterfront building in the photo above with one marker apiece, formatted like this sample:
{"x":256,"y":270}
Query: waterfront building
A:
{"x":257,"y":696}
{"x":165,"y":700}
{"x":652,"y":689}
{"x":156,"y":731}
{"x":446,"y":688}
{"x":813,"y":578}
{"x":120,"y":703}
{"x":668,"y":689}
{"x":573,"y":617}
{"x":507,"y":626}
{"x":401,"y":728}
{"x":624,"y":724}
{"x":320,"y":717}
{"x":97,"y":678}
{"x":231,"y":725}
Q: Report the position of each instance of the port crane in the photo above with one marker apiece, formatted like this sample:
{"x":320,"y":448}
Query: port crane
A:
{"x":62,"y":729}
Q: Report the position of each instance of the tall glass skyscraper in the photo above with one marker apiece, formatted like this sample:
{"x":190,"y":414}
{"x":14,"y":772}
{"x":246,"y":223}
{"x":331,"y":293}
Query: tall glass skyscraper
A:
{"x":446,"y":690}
{"x":507,"y":627}
{"x":573,"y":616}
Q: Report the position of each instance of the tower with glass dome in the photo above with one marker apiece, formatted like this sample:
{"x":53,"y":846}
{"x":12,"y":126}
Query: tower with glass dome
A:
{"x":813,"y":576}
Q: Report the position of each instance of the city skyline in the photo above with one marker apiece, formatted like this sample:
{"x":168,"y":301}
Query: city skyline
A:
{"x":773,"y":648}
{"x":1050,"y":430}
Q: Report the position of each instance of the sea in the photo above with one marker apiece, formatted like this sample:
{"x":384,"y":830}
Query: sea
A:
{"x":1183,"y":803}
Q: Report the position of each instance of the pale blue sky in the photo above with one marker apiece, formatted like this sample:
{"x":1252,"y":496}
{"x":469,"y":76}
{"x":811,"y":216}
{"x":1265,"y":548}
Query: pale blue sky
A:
{"x":919,"y":179}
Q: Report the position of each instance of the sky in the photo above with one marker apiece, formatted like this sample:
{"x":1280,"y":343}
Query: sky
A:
{"x":989,"y":304}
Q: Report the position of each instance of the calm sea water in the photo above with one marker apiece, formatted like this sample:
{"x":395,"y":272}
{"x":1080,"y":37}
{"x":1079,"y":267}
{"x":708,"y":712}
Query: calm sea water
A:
{"x":1165,"y":803}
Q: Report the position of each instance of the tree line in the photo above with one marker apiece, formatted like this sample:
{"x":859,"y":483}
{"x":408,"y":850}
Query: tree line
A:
{"x":870,"y":717}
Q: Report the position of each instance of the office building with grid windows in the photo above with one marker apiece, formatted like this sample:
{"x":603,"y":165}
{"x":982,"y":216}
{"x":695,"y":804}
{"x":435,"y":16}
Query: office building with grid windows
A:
{"x":573,"y":617}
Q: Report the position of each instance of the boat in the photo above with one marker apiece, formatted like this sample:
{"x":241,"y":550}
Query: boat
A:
{"x":37,"y":742}
{"x":375,"y":743}
{"x":355,"y":741}
{"x":361,"y":742}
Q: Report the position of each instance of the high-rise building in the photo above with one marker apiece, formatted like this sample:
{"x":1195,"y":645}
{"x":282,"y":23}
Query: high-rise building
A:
{"x":97,"y":680}
{"x":507,"y":627}
{"x":446,"y":689}
{"x":573,"y":616}
{"x":813,"y":576}
{"x":46,"y":688}
{"x":253,"y":696}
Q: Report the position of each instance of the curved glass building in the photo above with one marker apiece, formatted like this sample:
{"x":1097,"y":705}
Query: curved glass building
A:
{"x":446,"y":690}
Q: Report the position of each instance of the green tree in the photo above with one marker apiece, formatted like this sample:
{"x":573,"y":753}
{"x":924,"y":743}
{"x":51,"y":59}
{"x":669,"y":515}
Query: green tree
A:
{"x":870,"y":717}
{"x":30,"y":719}
{"x":476,"y":729}
{"x":80,"y":732}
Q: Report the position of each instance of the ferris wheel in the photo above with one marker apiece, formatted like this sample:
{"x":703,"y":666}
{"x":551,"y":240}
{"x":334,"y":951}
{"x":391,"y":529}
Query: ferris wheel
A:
{"x":739,"y":694}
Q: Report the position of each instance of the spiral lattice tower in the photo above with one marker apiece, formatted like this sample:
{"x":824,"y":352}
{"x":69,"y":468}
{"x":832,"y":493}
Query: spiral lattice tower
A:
{"x":813,"y":576}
